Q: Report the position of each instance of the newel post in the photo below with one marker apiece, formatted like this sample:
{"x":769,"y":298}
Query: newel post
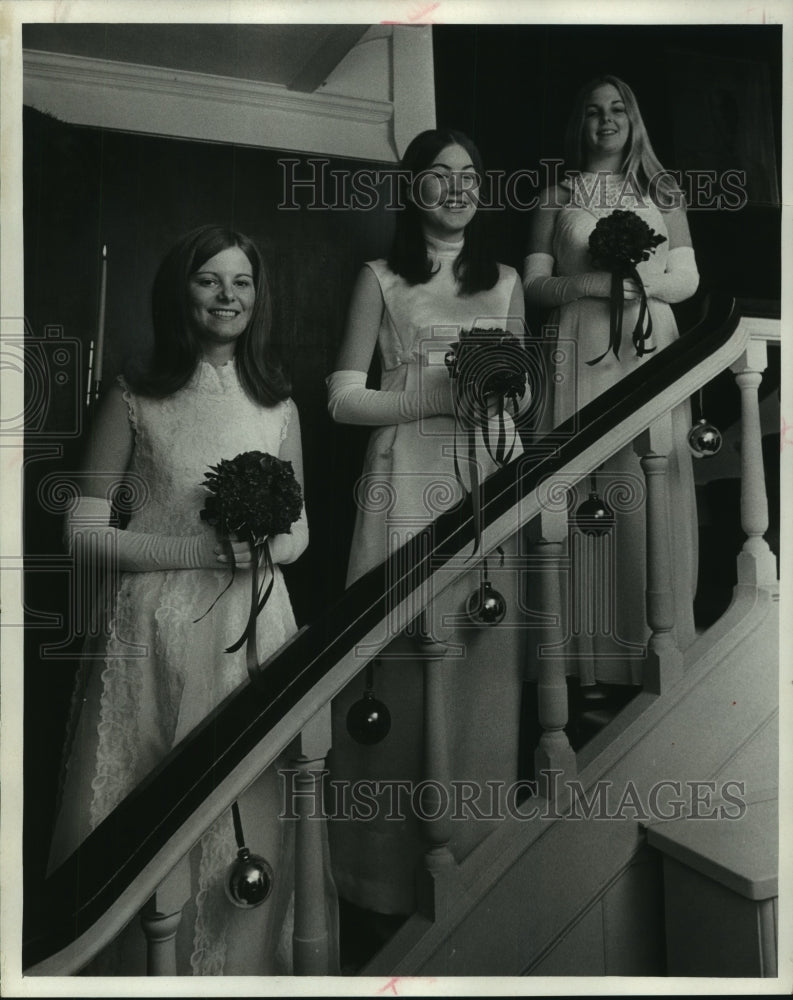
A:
{"x":756,"y":561}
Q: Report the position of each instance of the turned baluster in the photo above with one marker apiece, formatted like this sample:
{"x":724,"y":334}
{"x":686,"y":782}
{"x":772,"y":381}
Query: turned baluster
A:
{"x":554,"y":753}
{"x":433,"y":803}
{"x":311,"y":945}
{"x":160,"y":930}
{"x":664,"y":660}
{"x":756,"y":561}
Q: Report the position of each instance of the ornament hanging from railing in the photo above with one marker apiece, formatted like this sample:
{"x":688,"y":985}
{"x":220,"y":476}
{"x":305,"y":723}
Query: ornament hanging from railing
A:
{"x":486,"y":606}
{"x":368,"y":719}
{"x":594,"y":516}
{"x":250,"y":877}
{"x":704,"y":440}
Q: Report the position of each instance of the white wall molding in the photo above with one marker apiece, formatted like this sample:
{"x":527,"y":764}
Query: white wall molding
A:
{"x":158,"y":101}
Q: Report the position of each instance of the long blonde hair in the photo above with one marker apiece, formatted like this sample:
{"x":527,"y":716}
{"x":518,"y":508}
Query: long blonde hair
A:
{"x":639,"y":162}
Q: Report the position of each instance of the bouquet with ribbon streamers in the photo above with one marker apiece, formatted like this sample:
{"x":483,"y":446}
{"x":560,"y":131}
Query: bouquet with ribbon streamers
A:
{"x":617,"y":244}
{"x":489,"y":368}
{"x":254,"y":496}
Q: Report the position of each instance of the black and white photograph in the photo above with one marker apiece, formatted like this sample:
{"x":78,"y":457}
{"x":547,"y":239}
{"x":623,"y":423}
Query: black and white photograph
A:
{"x":394,"y":452}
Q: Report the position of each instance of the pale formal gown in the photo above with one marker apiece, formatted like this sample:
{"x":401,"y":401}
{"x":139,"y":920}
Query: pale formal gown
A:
{"x":408,"y":479}
{"x":131,"y":710}
{"x":606,"y":587}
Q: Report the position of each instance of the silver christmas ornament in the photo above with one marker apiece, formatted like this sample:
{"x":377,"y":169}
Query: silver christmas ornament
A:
{"x":368,"y":720}
{"x":486,"y":606}
{"x":594,"y":516}
{"x":249,"y":880}
{"x":704,"y":440}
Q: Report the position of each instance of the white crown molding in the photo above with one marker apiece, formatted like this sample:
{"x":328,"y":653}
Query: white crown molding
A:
{"x":128,"y":96}
{"x":60,"y":68}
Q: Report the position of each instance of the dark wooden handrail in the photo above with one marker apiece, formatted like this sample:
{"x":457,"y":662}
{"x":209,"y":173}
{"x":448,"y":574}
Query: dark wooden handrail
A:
{"x":80,"y":891}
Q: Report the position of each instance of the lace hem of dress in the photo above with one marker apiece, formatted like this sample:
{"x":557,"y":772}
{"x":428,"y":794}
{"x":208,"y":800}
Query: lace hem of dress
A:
{"x":209,"y":937}
{"x":117,"y":749}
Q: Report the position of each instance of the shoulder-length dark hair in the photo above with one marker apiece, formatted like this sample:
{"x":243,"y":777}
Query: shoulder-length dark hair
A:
{"x":639,"y":162}
{"x":177,"y":348}
{"x":475,"y":268}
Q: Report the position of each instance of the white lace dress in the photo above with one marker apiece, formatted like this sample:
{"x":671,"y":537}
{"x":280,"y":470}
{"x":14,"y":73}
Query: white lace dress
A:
{"x":137,"y":704}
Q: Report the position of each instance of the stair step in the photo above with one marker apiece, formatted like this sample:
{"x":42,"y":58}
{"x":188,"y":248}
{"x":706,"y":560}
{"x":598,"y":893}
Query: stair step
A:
{"x":591,"y":695}
{"x":598,"y":717}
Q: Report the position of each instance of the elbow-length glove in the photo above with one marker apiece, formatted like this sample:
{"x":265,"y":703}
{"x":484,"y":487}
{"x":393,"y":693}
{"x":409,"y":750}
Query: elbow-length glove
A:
{"x":88,"y":530}
{"x":350,"y":402}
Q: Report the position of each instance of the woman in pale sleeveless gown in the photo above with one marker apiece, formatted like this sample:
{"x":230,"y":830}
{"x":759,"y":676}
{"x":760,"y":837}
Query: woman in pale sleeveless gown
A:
{"x":212,"y":391}
{"x":612,"y":166}
{"x":411,"y":307}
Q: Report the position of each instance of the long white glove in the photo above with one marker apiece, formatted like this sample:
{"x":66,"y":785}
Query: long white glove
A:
{"x":680,"y":279}
{"x":350,"y":402}
{"x":88,"y":524}
{"x":87,"y":528}
{"x":542,"y":287}
{"x":288,"y":547}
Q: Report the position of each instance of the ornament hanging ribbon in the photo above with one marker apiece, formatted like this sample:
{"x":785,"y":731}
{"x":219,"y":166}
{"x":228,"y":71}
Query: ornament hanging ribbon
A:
{"x":617,"y":244}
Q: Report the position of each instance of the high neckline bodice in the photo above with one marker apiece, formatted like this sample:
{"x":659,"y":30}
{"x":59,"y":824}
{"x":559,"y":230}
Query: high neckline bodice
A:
{"x":442,"y":248}
{"x":600,"y":192}
{"x":214,"y":378}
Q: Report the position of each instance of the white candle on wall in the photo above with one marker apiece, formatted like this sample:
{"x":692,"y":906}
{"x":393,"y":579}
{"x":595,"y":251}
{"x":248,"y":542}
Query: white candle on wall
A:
{"x":100,"y":332}
{"x":89,"y":392}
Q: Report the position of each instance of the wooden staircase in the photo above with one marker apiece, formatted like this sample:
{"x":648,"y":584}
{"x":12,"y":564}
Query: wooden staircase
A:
{"x":537,"y":895}
{"x":544,"y":883}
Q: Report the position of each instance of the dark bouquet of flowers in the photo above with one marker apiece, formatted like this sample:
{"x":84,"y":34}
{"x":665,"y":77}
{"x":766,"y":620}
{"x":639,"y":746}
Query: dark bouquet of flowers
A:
{"x":252,"y":496}
{"x":617,"y":244}
{"x":488,"y":367}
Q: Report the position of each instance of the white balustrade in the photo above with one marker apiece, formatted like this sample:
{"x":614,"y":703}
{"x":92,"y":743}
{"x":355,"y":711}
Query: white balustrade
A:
{"x":160,"y":930}
{"x":756,"y":562}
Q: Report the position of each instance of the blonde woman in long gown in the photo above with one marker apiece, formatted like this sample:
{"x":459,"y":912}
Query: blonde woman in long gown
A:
{"x":612,"y":166}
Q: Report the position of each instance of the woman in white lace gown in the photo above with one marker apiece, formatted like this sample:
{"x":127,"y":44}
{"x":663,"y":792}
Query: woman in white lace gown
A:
{"x":211,"y":392}
{"x":436,"y":282}
{"x":612,"y":166}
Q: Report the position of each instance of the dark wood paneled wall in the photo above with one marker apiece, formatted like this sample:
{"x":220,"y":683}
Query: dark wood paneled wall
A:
{"x":85,"y":187}
{"x":511,"y":87}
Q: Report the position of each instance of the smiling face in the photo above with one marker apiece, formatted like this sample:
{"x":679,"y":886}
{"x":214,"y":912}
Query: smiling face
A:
{"x":607,"y":127}
{"x":221,"y":296}
{"x":447,"y":193}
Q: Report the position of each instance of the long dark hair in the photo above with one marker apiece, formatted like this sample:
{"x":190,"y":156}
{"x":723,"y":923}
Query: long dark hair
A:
{"x":177,"y":349}
{"x":639,"y":162}
{"x":475,"y":268}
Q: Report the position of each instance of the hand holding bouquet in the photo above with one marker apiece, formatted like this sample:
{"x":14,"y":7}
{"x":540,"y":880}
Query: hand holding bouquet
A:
{"x":488,"y":369}
{"x":252,"y":496}
{"x":617,"y":244}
